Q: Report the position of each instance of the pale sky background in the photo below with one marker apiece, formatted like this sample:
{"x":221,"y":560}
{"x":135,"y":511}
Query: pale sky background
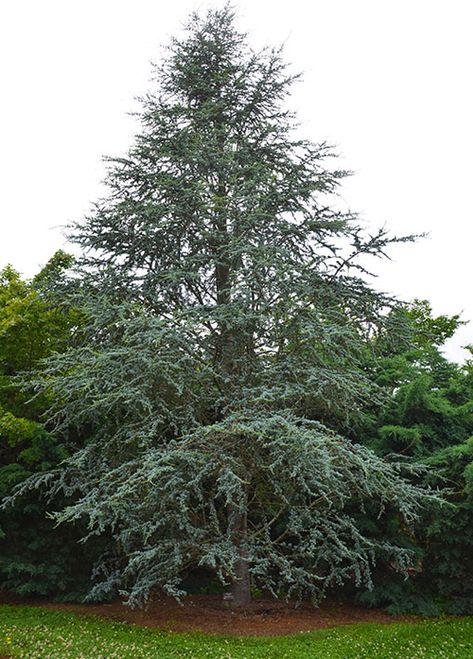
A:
{"x":388,"y":81}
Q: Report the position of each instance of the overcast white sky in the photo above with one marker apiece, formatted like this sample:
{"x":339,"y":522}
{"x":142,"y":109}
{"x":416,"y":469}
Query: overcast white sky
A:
{"x":387,"y":81}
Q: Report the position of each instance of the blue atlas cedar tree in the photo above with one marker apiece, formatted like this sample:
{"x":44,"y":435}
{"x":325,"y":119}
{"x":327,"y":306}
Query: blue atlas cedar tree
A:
{"x":221,"y":364}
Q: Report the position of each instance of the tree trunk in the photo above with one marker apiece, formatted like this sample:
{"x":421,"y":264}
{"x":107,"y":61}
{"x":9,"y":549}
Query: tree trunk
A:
{"x":227,"y":354}
{"x":240,"y":587}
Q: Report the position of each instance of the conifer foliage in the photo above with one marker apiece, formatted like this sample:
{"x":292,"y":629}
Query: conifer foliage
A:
{"x":220,"y":368}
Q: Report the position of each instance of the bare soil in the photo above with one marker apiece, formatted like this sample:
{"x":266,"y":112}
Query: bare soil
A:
{"x":207,"y":613}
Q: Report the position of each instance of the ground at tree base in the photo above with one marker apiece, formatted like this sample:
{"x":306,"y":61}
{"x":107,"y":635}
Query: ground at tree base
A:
{"x":206,"y":613}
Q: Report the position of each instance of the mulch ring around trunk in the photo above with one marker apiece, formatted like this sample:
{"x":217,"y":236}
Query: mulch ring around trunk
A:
{"x":207,"y":613}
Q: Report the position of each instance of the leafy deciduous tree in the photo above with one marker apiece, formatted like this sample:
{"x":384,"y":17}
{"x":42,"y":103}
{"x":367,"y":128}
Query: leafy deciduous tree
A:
{"x":35,"y":557}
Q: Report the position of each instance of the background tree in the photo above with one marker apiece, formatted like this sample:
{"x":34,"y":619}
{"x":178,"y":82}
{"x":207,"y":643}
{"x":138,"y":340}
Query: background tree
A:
{"x":35,"y":557}
{"x":428,"y":416}
{"x":223,"y":353}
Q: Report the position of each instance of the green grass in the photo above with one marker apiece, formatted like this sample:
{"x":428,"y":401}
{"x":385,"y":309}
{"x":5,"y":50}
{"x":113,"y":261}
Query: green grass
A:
{"x":39,"y":633}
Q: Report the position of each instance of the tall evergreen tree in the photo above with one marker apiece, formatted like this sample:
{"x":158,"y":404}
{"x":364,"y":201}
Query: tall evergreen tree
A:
{"x":221,"y":363}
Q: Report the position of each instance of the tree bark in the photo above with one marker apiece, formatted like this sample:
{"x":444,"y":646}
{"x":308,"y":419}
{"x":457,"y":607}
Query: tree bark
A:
{"x":240,"y":587}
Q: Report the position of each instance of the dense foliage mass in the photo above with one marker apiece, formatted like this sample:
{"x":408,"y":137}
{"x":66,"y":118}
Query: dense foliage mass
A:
{"x":233,"y":398}
{"x":428,"y":418}
{"x":35,"y":557}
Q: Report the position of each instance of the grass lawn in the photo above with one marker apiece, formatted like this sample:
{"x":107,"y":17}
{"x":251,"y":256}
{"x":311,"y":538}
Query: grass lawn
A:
{"x":39,"y":633}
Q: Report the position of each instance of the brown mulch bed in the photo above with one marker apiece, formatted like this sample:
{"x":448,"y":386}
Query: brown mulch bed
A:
{"x":206,"y":613}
